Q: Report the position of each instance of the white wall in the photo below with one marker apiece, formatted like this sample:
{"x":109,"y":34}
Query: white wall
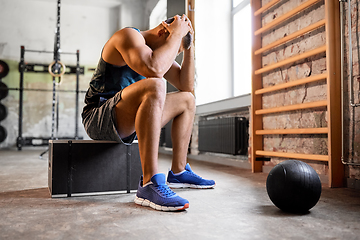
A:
{"x":213,"y":50}
{"x":135,"y":13}
{"x":33,"y":23}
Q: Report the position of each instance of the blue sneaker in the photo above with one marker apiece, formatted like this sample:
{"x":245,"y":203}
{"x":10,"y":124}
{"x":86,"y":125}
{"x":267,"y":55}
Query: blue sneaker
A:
{"x":188,"y":179}
{"x":159,"y":196}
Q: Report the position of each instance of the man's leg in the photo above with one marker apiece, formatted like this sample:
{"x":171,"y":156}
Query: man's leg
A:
{"x":145,"y":107}
{"x":179,"y":106}
{"x":140,"y":109}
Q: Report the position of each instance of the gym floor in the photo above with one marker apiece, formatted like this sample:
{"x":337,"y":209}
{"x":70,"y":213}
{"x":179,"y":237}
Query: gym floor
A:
{"x":238,"y":208}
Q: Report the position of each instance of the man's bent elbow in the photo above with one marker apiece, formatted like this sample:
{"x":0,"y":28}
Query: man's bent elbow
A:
{"x":186,"y":89}
{"x":156,"y":71}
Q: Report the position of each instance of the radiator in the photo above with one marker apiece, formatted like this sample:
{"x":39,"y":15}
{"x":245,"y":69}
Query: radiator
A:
{"x":224,"y":135}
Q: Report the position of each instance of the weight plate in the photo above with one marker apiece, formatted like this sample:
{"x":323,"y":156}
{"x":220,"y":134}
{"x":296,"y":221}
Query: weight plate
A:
{"x":3,"y":134}
{"x":4,"y":69}
{"x":3,"y":112}
{"x":4,"y":90}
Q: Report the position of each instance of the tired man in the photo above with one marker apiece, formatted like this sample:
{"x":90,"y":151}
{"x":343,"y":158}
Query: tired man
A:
{"x":127,"y":94}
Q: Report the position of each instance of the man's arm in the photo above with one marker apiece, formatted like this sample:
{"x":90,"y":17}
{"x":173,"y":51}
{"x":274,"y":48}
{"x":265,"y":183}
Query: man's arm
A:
{"x":182,"y":77}
{"x":141,"y":58}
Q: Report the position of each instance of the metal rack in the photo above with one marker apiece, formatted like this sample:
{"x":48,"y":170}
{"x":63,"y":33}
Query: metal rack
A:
{"x":34,"y":67}
{"x":54,"y":70}
{"x":332,"y":77}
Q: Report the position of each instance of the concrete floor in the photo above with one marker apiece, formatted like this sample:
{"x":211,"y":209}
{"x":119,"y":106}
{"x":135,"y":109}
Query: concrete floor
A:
{"x":238,"y":208}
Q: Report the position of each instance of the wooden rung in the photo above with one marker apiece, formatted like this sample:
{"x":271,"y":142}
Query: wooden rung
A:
{"x":285,"y":16}
{"x":291,"y":60}
{"x":293,"y":131}
{"x":291,"y":36}
{"x":292,"y":84}
{"x":324,"y":158}
{"x":266,"y":7}
{"x":292,"y":107}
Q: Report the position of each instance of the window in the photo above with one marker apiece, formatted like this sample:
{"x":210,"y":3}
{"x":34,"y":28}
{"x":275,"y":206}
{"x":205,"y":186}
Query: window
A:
{"x":213,"y":50}
{"x":237,"y":2}
{"x":241,"y":21}
{"x":223,"y":49}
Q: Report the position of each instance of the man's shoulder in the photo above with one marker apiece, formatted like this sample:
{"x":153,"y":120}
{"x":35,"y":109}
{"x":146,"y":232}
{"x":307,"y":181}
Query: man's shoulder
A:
{"x":127,"y":36}
{"x":132,"y":28}
{"x":134,"y":32}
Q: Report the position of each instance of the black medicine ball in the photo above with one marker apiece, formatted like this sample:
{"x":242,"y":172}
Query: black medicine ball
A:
{"x":293,"y":186}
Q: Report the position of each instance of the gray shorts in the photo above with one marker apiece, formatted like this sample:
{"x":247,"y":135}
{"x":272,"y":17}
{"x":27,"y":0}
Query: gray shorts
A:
{"x":100,"y":123}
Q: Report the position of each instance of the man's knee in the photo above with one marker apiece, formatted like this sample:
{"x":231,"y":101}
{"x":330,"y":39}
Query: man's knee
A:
{"x":155,"y":89}
{"x":189,"y":100}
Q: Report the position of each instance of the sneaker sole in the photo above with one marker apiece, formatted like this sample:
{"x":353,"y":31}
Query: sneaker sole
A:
{"x":147,"y":203}
{"x":187,"y":185}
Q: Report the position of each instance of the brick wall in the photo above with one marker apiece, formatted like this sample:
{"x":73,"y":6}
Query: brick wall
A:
{"x":308,"y":144}
{"x":313,"y":118}
{"x":352,"y":114}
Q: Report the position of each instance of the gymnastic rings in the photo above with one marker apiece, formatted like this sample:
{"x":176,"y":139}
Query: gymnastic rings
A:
{"x":57,"y":69}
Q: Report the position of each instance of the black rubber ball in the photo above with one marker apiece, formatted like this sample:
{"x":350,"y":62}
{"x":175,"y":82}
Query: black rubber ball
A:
{"x":293,"y":186}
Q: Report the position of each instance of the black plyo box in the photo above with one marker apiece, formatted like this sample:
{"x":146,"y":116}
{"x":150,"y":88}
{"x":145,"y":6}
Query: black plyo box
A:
{"x":87,"y":167}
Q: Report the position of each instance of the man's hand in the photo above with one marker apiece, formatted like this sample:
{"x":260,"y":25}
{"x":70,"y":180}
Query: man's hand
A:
{"x":190,"y":25}
{"x":180,"y":26}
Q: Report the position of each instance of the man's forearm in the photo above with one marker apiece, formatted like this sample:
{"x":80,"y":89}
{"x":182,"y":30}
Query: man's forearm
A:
{"x":163,"y":57}
{"x":187,"y":73}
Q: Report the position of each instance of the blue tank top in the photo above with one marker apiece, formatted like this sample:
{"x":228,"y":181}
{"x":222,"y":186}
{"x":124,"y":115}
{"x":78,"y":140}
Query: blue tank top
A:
{"x":106,"y":81}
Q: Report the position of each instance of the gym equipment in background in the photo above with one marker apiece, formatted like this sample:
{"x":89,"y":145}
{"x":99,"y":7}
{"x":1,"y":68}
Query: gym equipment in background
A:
{"x":42,"y":68}
{"x":3,"y":112}
{"x":4,"y":70}
{"x":57,"y":69}
{"x":4,"y":90}
{"x":293,"y":186}
{"x":3,"y":134}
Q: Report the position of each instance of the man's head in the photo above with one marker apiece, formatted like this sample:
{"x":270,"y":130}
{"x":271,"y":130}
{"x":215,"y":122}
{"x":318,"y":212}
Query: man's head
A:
{"x":187,"y":39}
